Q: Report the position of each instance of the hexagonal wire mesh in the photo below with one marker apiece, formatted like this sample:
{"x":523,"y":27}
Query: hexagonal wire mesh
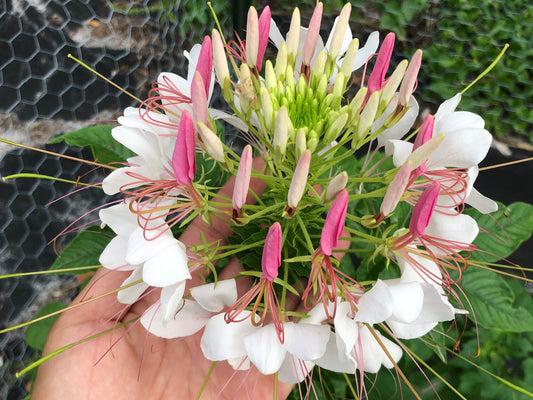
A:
{"x":43,"y":93}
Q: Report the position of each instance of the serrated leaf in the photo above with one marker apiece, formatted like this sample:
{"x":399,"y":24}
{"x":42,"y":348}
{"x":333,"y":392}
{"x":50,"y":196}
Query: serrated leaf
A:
{"x":83,"y":251}
{"x":104,"y":147}
{"x":37,"y":332}
{"x":493,"y":302}
{"x":505,"y":231}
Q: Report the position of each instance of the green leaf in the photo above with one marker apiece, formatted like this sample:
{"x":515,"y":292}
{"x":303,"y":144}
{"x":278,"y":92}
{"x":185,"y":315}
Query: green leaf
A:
{"x":84,"y":250}
{"x":493,"y":302}
{"x":505,"y":231}
{"x":104,"y":147}
{"x":36,"y":333}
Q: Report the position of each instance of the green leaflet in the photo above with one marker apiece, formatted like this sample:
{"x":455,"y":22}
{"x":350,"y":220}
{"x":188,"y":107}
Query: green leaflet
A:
{"x":493,"y":301}
{"x":104,"y":147}
{"x":506,"y":228}
{"x":84,"y":250}
{"x":37,"y":333}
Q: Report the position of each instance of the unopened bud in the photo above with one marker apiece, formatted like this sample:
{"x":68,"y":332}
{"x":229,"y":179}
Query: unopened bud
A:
{"x":318,"y":68}
{"x":367,"y":115}
{"x":335,"y":186}
{"x":271,"y":81}
{"x":349,"y":58}
{"x":409,"y":81}
{"x":312,"y":35}
{"x":392,"y":84}
{"x":338,"y":91}
{"x":252,"y":37}
{"x":322,"y":89}
{"x":336,"y":39}
{"x":221,"y":66}
{"x":242,"y":181}
{"x":245,"y":88}
{"x":293,"y":37}
{"x":420,"y":155}
{"x":423,"y":209}
{"x":212,"y":143}
{"x":281,"y":132}
{"x":356,"y":104}
{"x":377,"y":77}
{"x":281,"y":62}
{"x":336,"y":128}
{"x":301,"y":142}
{"x":396,"y":189}
{"x":267,"y":109}
{"x":264,"y":31}
{"x":299,"y":180}
{"x":199,"y":99}
{"x":312,"y":141}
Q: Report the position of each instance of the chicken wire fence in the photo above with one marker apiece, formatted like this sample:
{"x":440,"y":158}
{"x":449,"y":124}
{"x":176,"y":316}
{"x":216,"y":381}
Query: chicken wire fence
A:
{"x":43,"y":93}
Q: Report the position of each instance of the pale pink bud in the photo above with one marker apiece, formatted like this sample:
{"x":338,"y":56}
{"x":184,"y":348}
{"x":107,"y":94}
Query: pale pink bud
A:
{"x":219,"y":58}
{"x":337,"y":184}
{"x":396,"y":190}
{"x":420,"y":155}
{"x":271,"y":260}
{"x":409,"y":81}
{"x":299,"y":180}
{"x":389,"y":89}
{"x":377,"y":77}
{"x":424,"y":135}
{"x":199,"y":99}
{"x":264,"y":31}
{"x":242,"y":180}
{"x":293,"y":37}
{"x":205,"y":64}
{"x":423,"y":209}
{"x":312,"y":35}
{"x":252,"y":38}
{"x":212,"y":143}
{"x":184,"y":156}
{"x":339,"y":31}
{"x":334,"y":224}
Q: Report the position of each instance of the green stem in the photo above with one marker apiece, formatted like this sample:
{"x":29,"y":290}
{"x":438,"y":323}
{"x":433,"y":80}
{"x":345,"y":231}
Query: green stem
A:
{"x":50,"y":271}
{"x":206,"y":379}
{"x":50,"y":178}
{"x":69,"y":346}
{"x":305,"y":233}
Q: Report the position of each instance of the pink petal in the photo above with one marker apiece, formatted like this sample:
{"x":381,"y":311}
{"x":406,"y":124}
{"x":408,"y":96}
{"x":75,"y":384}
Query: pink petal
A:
{"x":312,"y":35}
{"x":423,"y":209}
{"x":205,"y":63}
{"x":377,"y":77}
{"x":264,"y":30}
{"x":242,"y":180}
{"x":271,"y":260}
{"x":183,"y":159}
{"x":332,"y":230}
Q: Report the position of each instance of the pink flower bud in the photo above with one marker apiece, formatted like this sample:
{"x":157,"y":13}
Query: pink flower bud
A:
{"x":423,"y":209}
{"x":409,"y":80}
{"x":219,"y":58}
{"x":184,"y":156}
{"x":271,"y":260}
{"x":377,"y":77}
{"x":312,"y":35}
{"x":332,"y":230}
{"x":199,"y":99}
{"x":299,"y":180}
{"x":264,"y":31}
{"x":242,"y":180}
{"x":205,"y":64}
{"x":424,"y":135}
{"x":252,"y":38}
{"x":396,"y":189}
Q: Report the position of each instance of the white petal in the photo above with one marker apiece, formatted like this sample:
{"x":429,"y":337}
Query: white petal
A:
{"x":215,"y":298}
{"x":306,"y":341}
{"x":346,"y":330}
{"x":331,"y":360}
{"x":265,"y":350}
{"x":436,"y":306}
{"x":294,"y":370}
{"x":189,"y":320}
{"x":373,"y":354}
{"x":408,"y":300}
{"x":463,"y":148}
{"x":448,"y":107}
{"x":114,"y":255}
{"x":171,"y":300}
{"x":400,"y":151}
{"x":166,"y":267}
{"x":481,"y":203}
{"x":222,"y":341}
{"x":400,"y":128}
{"x":367,"y":50}
{"x":376,"y":305}
{"x":422,"y":270}
{"x":119,"y":218}
{"x":410,"y":331}
{"x":456,"y":228}
{"x":181,"y":84}
{"x":240,"y":363}
{"x":131,"y":294}
{"x":275,"y":35}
